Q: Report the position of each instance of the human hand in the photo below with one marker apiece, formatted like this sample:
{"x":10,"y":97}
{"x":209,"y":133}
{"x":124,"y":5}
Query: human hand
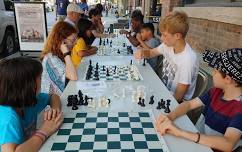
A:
{"x":64,"y":49}
{"x":51,"y":126}
{"x":167,"y":127}
{"x":51,"y":113}
{"x":139,"y":54}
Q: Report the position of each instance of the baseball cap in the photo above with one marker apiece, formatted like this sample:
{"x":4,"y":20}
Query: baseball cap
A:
{"x":74,"y":8}
{"x":228,"y":62}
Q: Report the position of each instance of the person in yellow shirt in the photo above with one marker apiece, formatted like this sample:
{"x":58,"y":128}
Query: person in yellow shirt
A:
{"x":81,"y":48}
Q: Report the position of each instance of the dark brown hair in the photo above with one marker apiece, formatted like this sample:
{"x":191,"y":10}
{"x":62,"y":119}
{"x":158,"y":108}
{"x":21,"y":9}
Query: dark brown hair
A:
{"x":18,"y":82}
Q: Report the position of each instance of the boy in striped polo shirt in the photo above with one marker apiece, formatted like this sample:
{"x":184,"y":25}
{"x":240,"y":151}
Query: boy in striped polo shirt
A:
{"x":221,"y":121}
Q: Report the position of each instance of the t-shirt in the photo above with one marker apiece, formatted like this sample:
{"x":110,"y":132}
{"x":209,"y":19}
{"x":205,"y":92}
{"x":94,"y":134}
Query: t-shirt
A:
{"x":53,"y":80}
{"x":83,"y":6}
{"x":179,"y":68}
{"x":153,"y":43}
{"x":15,"y":129}
{"x":79,"y":46}
{"x":220,"y":114}
{"x":62,"y":6}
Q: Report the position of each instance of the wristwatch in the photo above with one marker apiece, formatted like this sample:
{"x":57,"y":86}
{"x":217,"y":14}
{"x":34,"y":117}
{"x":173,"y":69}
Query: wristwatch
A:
{"x":67,"y":53}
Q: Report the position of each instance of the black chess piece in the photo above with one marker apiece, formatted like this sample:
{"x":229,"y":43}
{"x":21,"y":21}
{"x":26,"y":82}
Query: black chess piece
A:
{"x":107,"y":74}
{"x":107,"y":41}
{"x":143,"y":103}
{"x":124,"y":44}
{"x":163,"y":104}
{"x":115,"y":68}
{"x":100,"y":41}
{"x":97,"y":66}
{"x":159,"y":105}
{"x":69,"y":100}
{"x":140,"y":100}
{"x":90,"y":62}
{"x":152,"y":100}
{"x":103,"y":43}
{"x":74,"y":102}
{"x":81,"y":100}
{"x":118,"y":51}
{"x":109,"y":101}
{"x":144,"y":62}
{"x":103,"y":68}
{"x":86,"y":102}
{"x":131,"y":62}
{"x":167,"y":109}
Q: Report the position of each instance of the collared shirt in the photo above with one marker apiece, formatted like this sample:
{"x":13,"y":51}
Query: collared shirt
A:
{"x":70,"y":21}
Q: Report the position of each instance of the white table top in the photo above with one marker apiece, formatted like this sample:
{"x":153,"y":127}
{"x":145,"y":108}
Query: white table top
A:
{"x":153,"y":86}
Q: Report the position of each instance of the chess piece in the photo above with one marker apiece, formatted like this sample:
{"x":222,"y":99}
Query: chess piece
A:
{"x":143,"y":103}
{"x":143,"y":62}
{"x":86,"y":102}
{"x":139,"y":103}
{"x":100,"y":42}
{"x":103,"y":68}
{"x":163,"y":104}
{"x":118,"y":51}
{"x":124,"y":44}
{"x":107,"y":74}
{"x":90,"y":62}
{"x":167,"y":109}
{"x":81,"y":100}
{"x":159,"y":105}
{"x":69,"y":100}
{"x":152,"y":100}
{"x":131,"y":62}
{"x":74,"y":103}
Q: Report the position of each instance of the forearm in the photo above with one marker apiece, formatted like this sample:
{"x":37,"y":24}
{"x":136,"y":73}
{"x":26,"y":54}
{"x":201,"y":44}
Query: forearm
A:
{"x":33,"y":144}
{"x":150,"y":53}
{"x":144,"y":45}
{"x":181,"y":110}
{"x":71,"y":72}
{"x":215,"y":142}
{"x":133,"y":41}
{"x":55,"y":102}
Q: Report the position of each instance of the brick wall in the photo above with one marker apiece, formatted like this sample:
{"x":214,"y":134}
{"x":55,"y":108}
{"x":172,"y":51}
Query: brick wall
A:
{"x":206,"y":34}
{"x":168,"y":5}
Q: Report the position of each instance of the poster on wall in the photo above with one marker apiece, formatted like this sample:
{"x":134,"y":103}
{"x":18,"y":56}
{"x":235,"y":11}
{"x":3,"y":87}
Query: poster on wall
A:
{"x":31,"y":25}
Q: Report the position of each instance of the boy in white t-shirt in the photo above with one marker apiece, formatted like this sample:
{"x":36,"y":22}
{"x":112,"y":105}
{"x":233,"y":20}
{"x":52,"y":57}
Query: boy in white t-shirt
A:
{"x":180,"y":63}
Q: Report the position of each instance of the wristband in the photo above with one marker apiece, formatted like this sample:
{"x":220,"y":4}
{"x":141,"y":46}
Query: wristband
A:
{"x":198,"y":138}
{"x":42,"y":133}
{"x":67,"y":53}
{"x":40,"y":137}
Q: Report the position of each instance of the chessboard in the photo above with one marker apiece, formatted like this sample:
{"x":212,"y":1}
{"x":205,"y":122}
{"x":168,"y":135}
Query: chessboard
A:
{"x":108,"y":132}
{"x":112,"y":72}
{"x":113,"y":47}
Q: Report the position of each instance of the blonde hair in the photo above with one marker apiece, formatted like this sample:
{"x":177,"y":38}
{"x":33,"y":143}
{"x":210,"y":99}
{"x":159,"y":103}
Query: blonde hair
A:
{"x":175,"y":22}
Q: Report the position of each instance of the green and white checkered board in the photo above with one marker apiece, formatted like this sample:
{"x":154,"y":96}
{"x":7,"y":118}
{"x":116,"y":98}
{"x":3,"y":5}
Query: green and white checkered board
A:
{"x":123,"y":72}
{"x":108,"y":132}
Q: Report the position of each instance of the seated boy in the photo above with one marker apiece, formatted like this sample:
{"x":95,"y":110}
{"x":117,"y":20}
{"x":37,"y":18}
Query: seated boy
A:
{"x":137,"y":19}
{"x":148,"y":41}
{"x":222,"y":116}
{"x":180,"y":64}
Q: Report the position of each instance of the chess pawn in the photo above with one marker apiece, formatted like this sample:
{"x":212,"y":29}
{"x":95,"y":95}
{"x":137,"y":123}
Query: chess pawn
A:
{"x":152,"y":100}
{"x":69,"y":100}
